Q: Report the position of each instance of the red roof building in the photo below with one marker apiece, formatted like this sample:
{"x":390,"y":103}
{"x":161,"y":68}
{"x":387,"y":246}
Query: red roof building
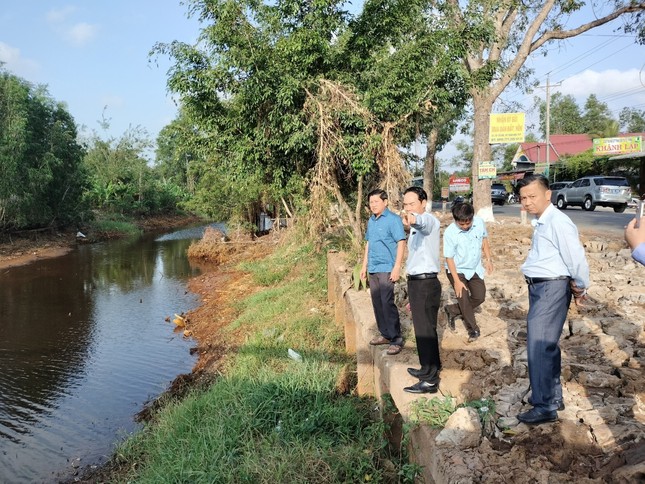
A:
{"x":562,"y":145}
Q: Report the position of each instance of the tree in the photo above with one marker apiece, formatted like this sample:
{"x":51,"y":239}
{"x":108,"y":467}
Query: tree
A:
{"x":498,"y":36}
{"x":632,"y":120}
{"x":401,"y":60}
{"x":597,"y":117}
{"x":41,"y":175}
{"x":564,"y":113}
{"x":245,"y":84}
{"x":122,"y":182}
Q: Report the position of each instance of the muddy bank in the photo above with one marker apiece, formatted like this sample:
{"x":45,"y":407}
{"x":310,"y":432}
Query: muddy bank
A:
{"x":27,"y":246}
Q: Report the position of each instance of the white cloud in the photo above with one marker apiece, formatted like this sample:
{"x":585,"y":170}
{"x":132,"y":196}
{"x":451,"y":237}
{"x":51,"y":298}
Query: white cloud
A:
{"x":82,"y":33}
{"x":56,"y":16}
{"x":612,"y":86}
{"x":15,"y":63}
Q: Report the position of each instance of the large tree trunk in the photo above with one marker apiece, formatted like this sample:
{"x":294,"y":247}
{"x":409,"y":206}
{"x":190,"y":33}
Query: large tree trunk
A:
{"x":483,"y":104}
{"x":429,"y":163}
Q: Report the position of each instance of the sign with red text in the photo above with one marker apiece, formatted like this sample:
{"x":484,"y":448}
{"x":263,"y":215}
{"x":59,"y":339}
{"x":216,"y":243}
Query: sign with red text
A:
{"x":487,"y":170}
{"x":459,"y":184}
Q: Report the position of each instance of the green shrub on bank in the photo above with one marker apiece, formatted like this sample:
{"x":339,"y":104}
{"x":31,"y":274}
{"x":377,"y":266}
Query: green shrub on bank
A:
{"x":275,"y":415}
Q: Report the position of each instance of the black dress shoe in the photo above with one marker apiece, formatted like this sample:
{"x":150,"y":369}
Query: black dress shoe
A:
{"x":422,"y":387}
{"x":473,"y":336}
{"x":451,"y":319}
{"x":535,"y":416}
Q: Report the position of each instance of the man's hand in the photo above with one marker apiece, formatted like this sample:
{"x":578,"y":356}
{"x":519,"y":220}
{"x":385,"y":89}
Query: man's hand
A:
{"x":488,"y":265}
{"x":408,"y":219}
{"x":459,"y":286}
{"x":635,"y":236}
{"x":395,"y":274}
{"x":363,"y":273}
{"x":579,"y":294}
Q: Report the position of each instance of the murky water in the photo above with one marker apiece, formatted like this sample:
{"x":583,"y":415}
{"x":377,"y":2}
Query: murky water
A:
{"x":83,"y":345}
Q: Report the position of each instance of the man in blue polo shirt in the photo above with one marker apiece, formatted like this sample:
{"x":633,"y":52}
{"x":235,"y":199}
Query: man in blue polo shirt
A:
{"x":463,"y":241}
{"x":382,"y":260}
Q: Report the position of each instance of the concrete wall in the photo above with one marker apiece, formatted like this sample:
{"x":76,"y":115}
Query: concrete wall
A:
{"x":379,"y":373}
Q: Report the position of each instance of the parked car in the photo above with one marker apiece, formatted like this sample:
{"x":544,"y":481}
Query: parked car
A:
{"x":555,"y":189}
{"x":590,"y":191}
{"x":498,"y":193}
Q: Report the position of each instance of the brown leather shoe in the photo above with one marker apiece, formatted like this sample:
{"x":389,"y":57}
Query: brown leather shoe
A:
{"x":379,"y":340}
{"x":394,"y":350}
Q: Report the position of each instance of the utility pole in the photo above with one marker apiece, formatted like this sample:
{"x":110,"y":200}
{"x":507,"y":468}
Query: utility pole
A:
{"x":548,"y":122}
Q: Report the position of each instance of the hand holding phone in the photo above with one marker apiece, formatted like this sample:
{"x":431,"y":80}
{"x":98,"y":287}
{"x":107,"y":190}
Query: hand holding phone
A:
{"x":640,"y":213}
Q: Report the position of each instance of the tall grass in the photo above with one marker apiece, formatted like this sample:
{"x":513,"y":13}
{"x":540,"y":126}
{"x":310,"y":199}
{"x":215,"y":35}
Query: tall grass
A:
{"x":270,"y":418}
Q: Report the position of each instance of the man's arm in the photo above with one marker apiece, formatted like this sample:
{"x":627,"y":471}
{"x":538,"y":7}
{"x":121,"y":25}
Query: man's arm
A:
{"x":456,"y":282}
{"x":364,"y":267}
{"x":396,"y":270}
{"x":488,"y":262}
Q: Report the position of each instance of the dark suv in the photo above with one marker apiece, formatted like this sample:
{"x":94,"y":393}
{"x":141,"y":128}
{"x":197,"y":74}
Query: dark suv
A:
{"x":498,"y":193}
{"x":589,"y":191}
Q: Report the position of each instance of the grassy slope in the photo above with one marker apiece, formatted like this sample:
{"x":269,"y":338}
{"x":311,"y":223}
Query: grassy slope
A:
{"x":270,"y":418}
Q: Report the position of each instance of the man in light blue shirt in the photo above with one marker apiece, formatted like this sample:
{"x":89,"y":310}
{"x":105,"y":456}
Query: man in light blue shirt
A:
{"x":555,"y":269}
{"x":463,"y":241}
{"x":424,"y":289}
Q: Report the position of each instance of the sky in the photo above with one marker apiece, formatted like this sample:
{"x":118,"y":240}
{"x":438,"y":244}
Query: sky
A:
{"x":94,"y":57}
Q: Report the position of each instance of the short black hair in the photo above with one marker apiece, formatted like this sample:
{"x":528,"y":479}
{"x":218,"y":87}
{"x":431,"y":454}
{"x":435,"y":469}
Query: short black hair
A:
{"x":463,"y":212}
{"x":379,"y":192}
{"x":421,"y":193}
{"x":528,"y":179}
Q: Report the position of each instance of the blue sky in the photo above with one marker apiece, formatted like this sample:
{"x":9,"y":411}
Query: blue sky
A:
{"x":95,"y":54}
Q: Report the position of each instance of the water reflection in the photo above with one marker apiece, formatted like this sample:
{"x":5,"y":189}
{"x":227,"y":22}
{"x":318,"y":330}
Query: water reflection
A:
{"x":83,"y":344}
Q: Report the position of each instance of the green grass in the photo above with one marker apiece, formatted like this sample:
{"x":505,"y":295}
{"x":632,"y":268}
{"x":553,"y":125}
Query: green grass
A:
{"x":270,"y":418}
{"x":115,"y":225}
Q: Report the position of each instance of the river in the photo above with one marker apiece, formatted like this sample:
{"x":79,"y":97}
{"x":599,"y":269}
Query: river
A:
{"x":85,"y":342}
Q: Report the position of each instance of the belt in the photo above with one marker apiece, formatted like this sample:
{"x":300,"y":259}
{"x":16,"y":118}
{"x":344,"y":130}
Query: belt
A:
{"x":425,"y":275}
{"x":536,"y":280}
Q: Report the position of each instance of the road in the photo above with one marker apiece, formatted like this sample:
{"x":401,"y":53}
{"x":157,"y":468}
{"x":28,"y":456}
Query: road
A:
{"x":601,"y":219}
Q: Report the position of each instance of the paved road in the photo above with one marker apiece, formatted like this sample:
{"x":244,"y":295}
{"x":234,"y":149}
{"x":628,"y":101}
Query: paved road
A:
{"x":600,"y":219}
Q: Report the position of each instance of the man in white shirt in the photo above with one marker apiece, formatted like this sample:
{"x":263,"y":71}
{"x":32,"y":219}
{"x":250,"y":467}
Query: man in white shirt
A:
{"x":555,"y":269}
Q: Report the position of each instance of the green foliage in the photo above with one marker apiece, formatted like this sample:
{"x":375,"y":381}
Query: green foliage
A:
{"x":632,"y":120}
{"x":357,"y":282}
{"x":485,"y":409}
{"x":41,"y":176}
{"x":434,"y":411}
{"x":245,"y":87}
{"x":121,"y":180}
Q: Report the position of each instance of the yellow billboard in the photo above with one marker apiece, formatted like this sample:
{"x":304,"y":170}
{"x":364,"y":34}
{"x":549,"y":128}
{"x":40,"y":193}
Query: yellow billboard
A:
{"x":506,"y":128}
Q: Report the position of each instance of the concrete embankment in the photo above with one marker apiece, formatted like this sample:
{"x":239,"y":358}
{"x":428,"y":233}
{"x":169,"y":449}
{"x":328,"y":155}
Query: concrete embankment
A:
{"x":599,"y":437}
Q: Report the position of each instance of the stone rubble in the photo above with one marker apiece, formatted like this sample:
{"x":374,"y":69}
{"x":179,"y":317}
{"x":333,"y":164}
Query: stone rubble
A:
{"x":600,"y":436}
